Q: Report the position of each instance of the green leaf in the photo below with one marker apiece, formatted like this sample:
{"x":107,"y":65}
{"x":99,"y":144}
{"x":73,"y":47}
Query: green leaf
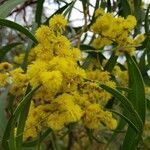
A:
{"x":109,"y":6}
{"x":127,"y":105}
{"x":86,"y":47}
{"x":148,"y":50}
{"x":137,"y":98}
{"x":39,"y":10}
{"x":87,"y":62}
{"x":69,"y":8}
{"x":138,"y":13}
{"x":11,"y":141}
{"x":111,"y":63}
{"x":8,"y":6}
{"x":24,"y":101}
{"x":90,"y":134}
{"x":59,"y":11}
{"x":13,"y":25}
{"x":15,"y":116}
{"x":131,"y":140}
{"x":21,"y":121}
{"x":126,"y":119}
{"x":147,"y":21}
{"x":142,"y":63}
{"x":148,"y":103}
{"x":28,"y":49}
{"x":3,"y":103}
{"x":5,"y":49}
{"x":124,"y":8}
{"x":120,"y":88}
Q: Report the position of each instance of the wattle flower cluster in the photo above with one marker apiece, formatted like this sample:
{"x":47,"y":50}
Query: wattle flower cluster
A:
{"x":67,"y":94}
{"x":115,"y":31}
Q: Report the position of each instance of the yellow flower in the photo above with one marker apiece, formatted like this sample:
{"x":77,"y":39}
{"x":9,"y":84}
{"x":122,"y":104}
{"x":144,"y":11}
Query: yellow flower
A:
{"x":19,"y":82}
{"x":91,"y":116}
{"x":3,"y":79}
{"x":139,"y":39}
{"x":76,"y":54}
{"x":43,"y":52}
{"x":101,"y":42}
{"x":99,"y":12}
{"x":103,"y":24}
{"x":34,"y":71}
{"x":5,"y":66}
{"x":94,"y":115}
{"x":58,"y":23}
{"x":44,"y":34}
{"x":65,"y":112}
{"x":61,"y":46}
{"x":129,"y":23}
{"x":110,"y":29}
{"x":51,"y":80}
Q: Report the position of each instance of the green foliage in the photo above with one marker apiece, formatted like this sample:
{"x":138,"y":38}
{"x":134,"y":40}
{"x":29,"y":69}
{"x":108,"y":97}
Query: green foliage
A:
{"x":137,"y":98}
{"x":8,"y":6}
{"x":3,"y":120}
{"x":13,"y":25}
{"x":9,"y":137}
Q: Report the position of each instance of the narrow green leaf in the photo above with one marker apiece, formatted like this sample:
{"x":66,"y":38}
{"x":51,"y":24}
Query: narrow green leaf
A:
{"x":137,"y":98}
{"x":13,"y":25}
{"x":5,"y":49}
{"x":120,"y":88}
{"x":25,"y":60}
{"x":127,"y":105}
{"x":7,"y":133}
{"x":109,"y":5}
{"x":8,"y":6}
{"x":39,"y":10}
{"x":24,"y":101}
{"x":3,"y":102}
{"x":142,"y":63}
{"x":87,"y":62}
{"x":14,"y":117}
{"x":90,"y":134}
{"x":69,"y":8}
{"x":11,"y":142}
{"x":111,"y":63}
{"x":21,"y":121}
{"x":138,"y":13}
{"x":124,"y":8}
{"x":147,"y":21}
{"x":86,"y":47}
{"x":131,"y":140}
{"x":148,"y":103}
{"x":126,"y":119}
{"x":28,"y":49}
{"x":146,"y":78}
{"x":148,"y":50}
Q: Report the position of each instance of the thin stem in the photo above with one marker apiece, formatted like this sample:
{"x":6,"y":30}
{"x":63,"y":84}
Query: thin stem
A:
{"x":70,"y":141}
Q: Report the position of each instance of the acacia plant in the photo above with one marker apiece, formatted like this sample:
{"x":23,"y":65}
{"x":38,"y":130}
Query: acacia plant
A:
{"x":69,"y":86}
